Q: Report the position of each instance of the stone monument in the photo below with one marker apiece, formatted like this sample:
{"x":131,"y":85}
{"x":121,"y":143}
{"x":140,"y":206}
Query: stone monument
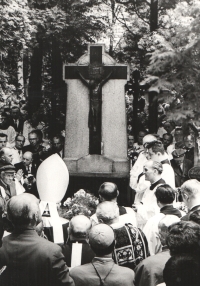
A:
{"x":96,"y":138}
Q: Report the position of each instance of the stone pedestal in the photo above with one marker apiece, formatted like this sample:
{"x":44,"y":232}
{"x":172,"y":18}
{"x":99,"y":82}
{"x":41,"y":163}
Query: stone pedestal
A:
{"x":112,"y":162}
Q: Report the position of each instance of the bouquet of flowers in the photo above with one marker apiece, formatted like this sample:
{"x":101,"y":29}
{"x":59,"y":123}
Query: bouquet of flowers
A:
{"x":82,"y":203}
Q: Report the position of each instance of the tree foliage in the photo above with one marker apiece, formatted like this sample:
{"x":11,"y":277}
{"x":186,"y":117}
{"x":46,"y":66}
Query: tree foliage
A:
{"x":24,"y":25}
{"x":175,"y":57}
{"x":16,"y":33}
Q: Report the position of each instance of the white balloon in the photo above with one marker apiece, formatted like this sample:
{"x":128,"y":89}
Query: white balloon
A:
{"x":52,"y":179}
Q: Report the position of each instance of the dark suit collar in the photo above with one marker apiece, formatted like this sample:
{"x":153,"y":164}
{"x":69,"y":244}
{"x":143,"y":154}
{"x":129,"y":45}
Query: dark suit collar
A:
{"x":169,"y":209}
{"x":25,"y":230}
{"x":159,"y":182}
{"x":195,"y":208}
{"x":165,"y":248}
{"x":4,"y":184}
{"x":166,"y":161}
{"x":7,"y":189}
{"x":83,"y":241}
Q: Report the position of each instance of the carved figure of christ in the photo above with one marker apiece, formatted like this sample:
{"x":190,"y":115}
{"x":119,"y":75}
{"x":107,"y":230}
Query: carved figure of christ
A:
{"x":94,"y":118}
{"x":94,"y":76}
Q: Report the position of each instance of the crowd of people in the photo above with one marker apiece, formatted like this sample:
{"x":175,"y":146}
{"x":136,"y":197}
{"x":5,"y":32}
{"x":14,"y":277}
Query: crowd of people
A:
{"x":153,"y":242}
{"x":109,"y":248}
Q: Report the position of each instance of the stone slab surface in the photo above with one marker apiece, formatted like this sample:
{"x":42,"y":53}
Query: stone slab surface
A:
{"x":94,"y":163}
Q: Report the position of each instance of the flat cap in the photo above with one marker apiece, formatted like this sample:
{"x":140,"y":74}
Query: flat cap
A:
{"x":101,"y":236}
{"x":8,"y":169}
{"x":177,"y":153}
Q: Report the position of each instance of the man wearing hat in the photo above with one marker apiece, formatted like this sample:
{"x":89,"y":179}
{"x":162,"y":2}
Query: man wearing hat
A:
{"x":181,"y":166}
{"x":102,"y":270}
{"x":9,"y":186}
{"x":7,"y":190}
{"x":6,"y":180}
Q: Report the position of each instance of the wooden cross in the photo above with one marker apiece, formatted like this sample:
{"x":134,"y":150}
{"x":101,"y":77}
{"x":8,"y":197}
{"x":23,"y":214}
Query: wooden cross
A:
{"x":94,"y":76}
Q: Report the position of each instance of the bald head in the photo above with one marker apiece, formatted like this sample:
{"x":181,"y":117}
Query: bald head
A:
{"x":6,"y":155}
{"x":23,"y":210}
{"x":191,"y":188}
{"x":107,"y":212}
{"x":27,"y":158}
{"x":190,"y":191}
{"x":79,"y":227}
{"x":108,"y":192}
{"x":163,"y":225}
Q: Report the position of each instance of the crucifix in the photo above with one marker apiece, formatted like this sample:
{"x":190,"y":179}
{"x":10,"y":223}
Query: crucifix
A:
{"x":94,"y":76}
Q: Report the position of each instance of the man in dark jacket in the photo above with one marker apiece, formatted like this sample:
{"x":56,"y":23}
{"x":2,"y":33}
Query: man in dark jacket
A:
{"x":77,"y":250}
{"x":16,"y":121}
{"x":181,"y":166}
{"x":28,"y":165}
{"x":30,"y":259}
{"x":190,"y":192}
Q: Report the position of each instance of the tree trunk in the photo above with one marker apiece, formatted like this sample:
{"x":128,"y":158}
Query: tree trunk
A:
{"x":136,"y":77}
{"x":112,"y":28}
{"x":154,"y":15}
{"x":35,"y":79}
{"x":153,"y":112}
{"x":59,"y":93}
{"x":20,"y":74}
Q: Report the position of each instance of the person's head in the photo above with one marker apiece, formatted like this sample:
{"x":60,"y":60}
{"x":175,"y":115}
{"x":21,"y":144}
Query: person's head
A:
{"x":179,"y":155}
{"x":3,"y":140}
{"x":190,"y":191}
{"x":79,"y":228}
{"x":167,"y":140}
{"x":19,"y":141}
{"x":165,"y":195}
{"x":140,"y":137}
{"x":169,"y":126}
{"x":184,"y":237}
{"x":130,"y":141}
{"x":6,"y":155}
{"x":23,"y":211}
{"x":178,"y":134}
{"x":189,"y":141}
{"x":27,"y":158}
{"x":15,"y":112}
{"x":7,"y":174}
{"x":182,"y":270}
{"x":57,"y":143}
{"x":152,"y":171}
{"x":108,"y":192}
{"x":156,"y":151}
{"x":107,"y":212}
{"x":33,"y":138}
{"x":163,"y":227}
{"x":3,"y":118}
{"x":102,"y":240}
{"x":146,"y":140}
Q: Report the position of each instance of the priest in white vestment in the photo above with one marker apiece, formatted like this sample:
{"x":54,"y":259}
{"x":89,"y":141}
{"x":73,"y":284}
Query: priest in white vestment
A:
{"x":165,"y":196}
{"x":148,"y":207}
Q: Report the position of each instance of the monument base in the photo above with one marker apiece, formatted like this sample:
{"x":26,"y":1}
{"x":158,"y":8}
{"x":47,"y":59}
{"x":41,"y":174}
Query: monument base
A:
{"x":92,"y":184}
{"x":90,"y":171}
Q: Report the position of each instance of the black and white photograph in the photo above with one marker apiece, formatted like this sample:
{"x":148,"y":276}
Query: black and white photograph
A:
{"x":99,"y":142}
